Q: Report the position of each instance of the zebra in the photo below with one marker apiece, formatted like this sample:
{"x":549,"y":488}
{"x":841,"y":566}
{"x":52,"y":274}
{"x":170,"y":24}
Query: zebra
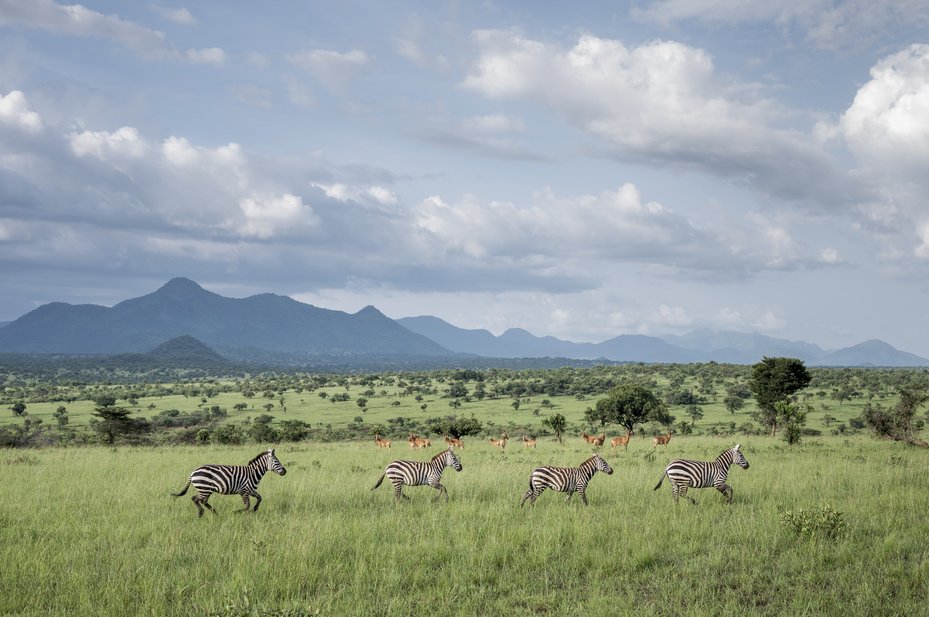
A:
{"x":565,"y":479}
{"x":684,"y":474}
{"x":231,"y":480}
{"x":416,"y":473}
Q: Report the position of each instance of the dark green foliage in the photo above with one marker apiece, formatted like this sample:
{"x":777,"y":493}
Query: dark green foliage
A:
{"x":18,"y":408}
{"x":628,"y":405}
{"x":114,"y":423}
{"x":897,"y":422}
{"x":793,"y":419}
{"x":455,"y":426}
{"x":774,"y":380}
{"x":557,"y":423}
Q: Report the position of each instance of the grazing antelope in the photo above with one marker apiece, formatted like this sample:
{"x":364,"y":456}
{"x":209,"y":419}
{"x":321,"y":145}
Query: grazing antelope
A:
{"x":565,"y":479}
{"x":231,"y":480}
{"x":418,"y":442}
{"x":528,"y":442}
{"x":451,"y":441}
{"x":381,"y":443}
{"x":662,"y":440}
{"x":593,"y":439}
{"x":415,"y":473}
{"x":500,"y":443}
{"x":685,"y":474}
{"x":622,"y":440}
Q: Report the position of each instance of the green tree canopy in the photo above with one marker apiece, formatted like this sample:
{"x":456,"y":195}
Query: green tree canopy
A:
{"x":628,"y":405}
{"x":557,"y":423}
{"x":774,"y":380}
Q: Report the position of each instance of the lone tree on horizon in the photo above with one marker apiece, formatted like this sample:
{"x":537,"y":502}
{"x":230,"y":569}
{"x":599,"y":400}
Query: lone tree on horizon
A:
{"x":774,"y":380}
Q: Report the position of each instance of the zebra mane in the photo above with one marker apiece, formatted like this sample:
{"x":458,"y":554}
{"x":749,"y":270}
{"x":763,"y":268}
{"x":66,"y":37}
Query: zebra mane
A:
{"x":256,"y":459}
{"x":440,"y":454}
{"x":589,"y":460}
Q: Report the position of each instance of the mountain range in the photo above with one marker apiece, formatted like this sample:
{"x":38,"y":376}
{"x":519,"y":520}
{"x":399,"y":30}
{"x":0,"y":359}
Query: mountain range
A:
{"x":272,"y":329}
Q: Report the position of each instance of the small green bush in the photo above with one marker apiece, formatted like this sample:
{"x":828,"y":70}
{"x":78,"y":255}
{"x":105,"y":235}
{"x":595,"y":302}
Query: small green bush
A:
{"x":822,"y":522}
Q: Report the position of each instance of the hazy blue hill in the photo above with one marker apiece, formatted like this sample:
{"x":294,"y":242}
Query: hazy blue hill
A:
{"x":743,"y":347}
{"x":640,"y":348}
{"x":872,"y":353}
{"x":181,"y":307}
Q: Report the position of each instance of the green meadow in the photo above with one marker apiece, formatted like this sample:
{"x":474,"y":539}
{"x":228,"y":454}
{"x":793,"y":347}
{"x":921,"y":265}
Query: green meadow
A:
{"x":95,"y":531}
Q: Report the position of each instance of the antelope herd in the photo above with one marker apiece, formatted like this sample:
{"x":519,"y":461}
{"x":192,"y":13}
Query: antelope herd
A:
{"x":416,"y":442}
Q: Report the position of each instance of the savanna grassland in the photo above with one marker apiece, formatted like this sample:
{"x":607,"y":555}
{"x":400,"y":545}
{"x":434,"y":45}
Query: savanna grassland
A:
{"x":94,"y":531}
{"x":834,"y":525}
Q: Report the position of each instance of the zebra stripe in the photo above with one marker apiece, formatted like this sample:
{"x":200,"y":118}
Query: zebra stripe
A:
{"x":417,"y":473}
{"x":684,"y":474}
{"x":565,"y":479}
{"x":231,"y":480}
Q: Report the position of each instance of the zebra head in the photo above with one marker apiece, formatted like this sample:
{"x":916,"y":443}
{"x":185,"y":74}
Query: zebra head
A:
{"x":274,"y":464}
{"x":738,"y":458}
{"x":602,"y":465}
{"x":452,"y":460}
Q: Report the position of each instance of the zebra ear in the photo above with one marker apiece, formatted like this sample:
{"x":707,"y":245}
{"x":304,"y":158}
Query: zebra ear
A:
{"x":271,"y":451}
{"x":737,"y":446}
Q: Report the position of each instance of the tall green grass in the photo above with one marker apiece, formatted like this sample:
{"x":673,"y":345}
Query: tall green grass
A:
{"x":94,"y":531}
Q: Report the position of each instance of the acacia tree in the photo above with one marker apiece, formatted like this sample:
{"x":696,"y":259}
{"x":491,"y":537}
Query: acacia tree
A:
{"x":897,"y":422}
{"x":628,"y":405}
{"x":557,"y":423}
{"x":774,"y":380}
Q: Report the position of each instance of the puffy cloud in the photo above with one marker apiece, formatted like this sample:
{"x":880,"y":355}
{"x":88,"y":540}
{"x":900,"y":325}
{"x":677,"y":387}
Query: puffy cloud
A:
{"x":378,"y":195}
{"x":888,"y":122}
{"x":662,"y":102}
{"x":14,"y":111}
{"x":105,"y":145}
{"x":273,"y":215}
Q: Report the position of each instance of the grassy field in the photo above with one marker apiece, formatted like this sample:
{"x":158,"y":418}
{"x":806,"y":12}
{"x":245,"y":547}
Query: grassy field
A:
{"x":94,"y":531}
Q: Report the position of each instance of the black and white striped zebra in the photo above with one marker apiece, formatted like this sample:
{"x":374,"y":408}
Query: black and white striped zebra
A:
{"x":684,"y":474}
{"x":417,"y":473}
{"x":565,"y":479}
{"x":231,"y":480}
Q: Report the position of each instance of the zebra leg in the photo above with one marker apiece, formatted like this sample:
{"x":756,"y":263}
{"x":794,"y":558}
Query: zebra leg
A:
{"x":727,"y":491}
{"x":583,"y":495}
{"x":257,"y":500}
{"x":442,"y":490}
{"x":684,"y":494}
{"x":245,"y":501}
{"x":568,"y":498}
{"x":196,"y":499}
{"x":398,"y":491}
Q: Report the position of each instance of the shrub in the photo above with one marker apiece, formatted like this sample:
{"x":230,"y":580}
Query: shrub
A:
{"x":823,"y":522}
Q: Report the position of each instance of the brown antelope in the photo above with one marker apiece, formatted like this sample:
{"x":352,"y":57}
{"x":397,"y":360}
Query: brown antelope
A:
{"x":381,"y":443}
{"x":662,"y":440}
{"x":593,"y":439}
{"x":457,"y":443}
{"x":500,"y":443}
{"x":419,"y":442}
{"x":622,"y":440}
{"x":528,"y":442}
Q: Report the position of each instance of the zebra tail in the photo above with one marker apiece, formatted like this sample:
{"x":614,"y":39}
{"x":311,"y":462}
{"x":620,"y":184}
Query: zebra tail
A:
{"x":657,"y":486}
{"x":381,"y":479}
{"x":184,"y":491}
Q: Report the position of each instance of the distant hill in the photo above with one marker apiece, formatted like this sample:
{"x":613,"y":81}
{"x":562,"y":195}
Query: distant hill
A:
{"x":872,"y":353}
{"x":744,"y":347}
{"x":186,"y":350}
{"x":696,"y":346}
{"x":181,"y":307}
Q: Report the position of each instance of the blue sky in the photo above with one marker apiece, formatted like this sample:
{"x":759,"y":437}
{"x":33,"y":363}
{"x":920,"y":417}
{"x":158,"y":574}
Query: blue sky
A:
{"x":578,"y":171}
